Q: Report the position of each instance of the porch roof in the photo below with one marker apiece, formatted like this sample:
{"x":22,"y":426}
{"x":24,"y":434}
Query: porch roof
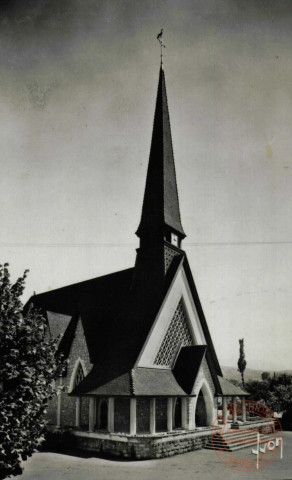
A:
{"x":141,"y":381}
{"x":227,"y":388}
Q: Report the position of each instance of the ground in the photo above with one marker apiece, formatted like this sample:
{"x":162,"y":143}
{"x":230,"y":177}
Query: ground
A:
{"x":202,"y":464}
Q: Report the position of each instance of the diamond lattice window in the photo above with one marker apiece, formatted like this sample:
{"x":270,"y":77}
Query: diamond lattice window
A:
{"x":178,"y":335}
{"x":79,"y":375}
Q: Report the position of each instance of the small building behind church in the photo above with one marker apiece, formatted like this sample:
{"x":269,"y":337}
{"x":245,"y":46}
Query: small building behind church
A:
{"x":143,"y":379}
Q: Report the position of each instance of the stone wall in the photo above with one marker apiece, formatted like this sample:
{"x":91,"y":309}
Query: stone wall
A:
{"x":139,"y":447}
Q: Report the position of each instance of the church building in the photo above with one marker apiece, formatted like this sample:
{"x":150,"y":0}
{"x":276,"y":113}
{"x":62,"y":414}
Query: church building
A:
{"x":142,"y":378}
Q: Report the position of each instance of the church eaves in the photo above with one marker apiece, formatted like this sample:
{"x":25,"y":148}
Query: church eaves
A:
{"x":160,"y":210}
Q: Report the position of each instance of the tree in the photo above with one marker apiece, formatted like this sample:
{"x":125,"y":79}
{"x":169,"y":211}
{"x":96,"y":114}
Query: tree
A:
{"x":266,"y":376}
{"x":28,"y":367}
{"x":241,"y":361}
{"x":275,"y":393}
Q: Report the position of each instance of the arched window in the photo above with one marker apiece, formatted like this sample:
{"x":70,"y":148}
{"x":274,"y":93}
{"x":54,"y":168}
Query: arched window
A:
{"x":102,"y":414}
{"x":79,"y":375}
{"x":201,"y":413}
{"x":177,"y":413}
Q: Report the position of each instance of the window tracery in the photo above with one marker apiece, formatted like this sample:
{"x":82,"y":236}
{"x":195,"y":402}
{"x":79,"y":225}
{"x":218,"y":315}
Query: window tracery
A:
{"x":177,"y":335}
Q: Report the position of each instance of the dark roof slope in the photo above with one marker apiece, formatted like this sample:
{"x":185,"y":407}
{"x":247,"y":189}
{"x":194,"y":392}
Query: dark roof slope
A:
{"x":97,"y":292}
{"x":97,"y":301}
{"x":187,"y":366}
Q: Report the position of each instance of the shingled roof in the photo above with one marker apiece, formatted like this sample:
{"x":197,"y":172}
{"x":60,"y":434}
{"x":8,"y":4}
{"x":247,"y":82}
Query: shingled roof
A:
{"x":139,"y":381}
{"x":227,"y":388}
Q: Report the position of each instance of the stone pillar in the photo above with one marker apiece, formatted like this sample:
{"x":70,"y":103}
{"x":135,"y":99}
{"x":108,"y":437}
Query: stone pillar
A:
{"x":133,"y":416}
{"x":78,"y":412}
{"x":234,"y":419}
{"x":184,"y":413}
{"x":91,"y":414}
{"x":224,"y":411}
{"x":169,"y":414}
{"x":111,"y":415}
{"x":243,"y":409}
{"x":152,"y":416}
{"x":59,"y":403}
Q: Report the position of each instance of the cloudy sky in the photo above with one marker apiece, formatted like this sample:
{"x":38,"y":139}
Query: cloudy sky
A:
{"x":78,"y":84}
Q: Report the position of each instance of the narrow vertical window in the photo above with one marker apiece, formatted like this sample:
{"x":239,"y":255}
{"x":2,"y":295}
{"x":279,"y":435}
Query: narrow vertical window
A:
{"x":174,"y":239}
{"x":79,"y":375}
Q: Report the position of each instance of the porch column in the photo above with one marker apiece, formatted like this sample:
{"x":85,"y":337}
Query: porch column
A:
{"x":224,"y":411}
{"x":111,"y":415}
{"x":184,"y":416}
{"x":91,"y":414}
{"x":234,"y":419}
{"x":133,"y":416}
{"x":152,"y":416}
{"x":59,"y":402}
{"x":78,"y":412}
{"x":169,"y":414}
{"x":243,"y":409}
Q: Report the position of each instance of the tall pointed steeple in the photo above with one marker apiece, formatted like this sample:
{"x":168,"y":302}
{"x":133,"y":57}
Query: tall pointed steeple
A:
{"x":160,"y":230}
{"x":160,"y":213}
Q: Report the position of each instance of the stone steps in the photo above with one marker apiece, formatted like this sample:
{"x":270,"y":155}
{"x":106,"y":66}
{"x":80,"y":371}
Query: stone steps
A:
{"x":232,"y":441}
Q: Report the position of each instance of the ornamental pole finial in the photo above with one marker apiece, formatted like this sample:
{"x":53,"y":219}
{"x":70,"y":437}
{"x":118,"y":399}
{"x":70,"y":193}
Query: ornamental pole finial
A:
{"x":159,"y":38}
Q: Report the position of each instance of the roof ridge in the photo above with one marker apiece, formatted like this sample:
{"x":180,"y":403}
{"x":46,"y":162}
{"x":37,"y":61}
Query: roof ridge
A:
{"x":82,"y":282}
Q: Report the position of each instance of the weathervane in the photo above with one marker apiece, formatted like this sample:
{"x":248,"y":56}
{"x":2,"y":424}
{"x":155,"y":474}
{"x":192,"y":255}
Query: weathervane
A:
{"x":159,"y":38}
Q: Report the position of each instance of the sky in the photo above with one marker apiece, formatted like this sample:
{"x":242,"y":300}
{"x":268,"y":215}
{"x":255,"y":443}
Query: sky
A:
{"x":78,"y":83}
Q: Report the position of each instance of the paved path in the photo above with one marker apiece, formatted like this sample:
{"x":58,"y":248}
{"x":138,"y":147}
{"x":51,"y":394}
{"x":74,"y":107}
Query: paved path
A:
{"x":202,"y":465}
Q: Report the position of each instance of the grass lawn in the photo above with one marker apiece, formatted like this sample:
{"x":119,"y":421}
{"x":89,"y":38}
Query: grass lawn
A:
{"x":201,"y":464}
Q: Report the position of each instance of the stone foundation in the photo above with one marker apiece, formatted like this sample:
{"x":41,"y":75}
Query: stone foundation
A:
{"x":139,"y":447}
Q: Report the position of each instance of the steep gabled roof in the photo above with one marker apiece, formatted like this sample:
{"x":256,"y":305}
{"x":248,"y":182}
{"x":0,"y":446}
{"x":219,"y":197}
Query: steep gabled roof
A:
{"x":116,"y":323}
{"x":117,"y":341}
{"x":161,"y":205}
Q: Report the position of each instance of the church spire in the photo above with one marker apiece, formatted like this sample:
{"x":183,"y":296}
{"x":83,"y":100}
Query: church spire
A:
{"x":160,"y":230}
{"x":160,"y":213}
